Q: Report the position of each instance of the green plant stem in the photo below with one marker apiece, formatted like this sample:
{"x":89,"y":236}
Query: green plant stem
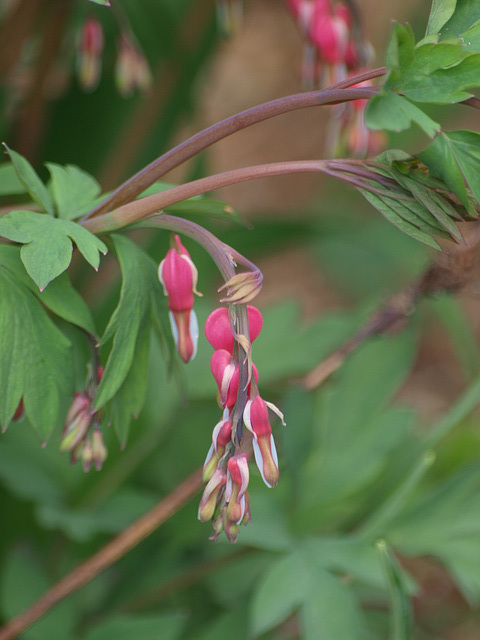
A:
{"x":106,"y":557}
{"x":336,"y":94}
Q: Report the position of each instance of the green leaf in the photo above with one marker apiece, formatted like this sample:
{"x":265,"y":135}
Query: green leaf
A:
{"x":130,"y":318}
{"x":167,"y":626}
{"x":385,"y":207}
{"x":454,"y":157}
{"x":441,"y":74}
{"x":30,"y":180}
{"x":130,"y":397}
{"x":440,"y":13}
{"x":47,"y":241}
{"x":401,"y":606}
{"x":23,"y":581}
{"x":299,"y":582}
{"x":73,"y":190}
{"x":389,"y":111}
{"x":10,"y":184}
{"x":60,"y":297}
{"x":467,"y":13}
{"x":35,"y":358}
{"x":105,"y":3}
{"x":471,"y":37}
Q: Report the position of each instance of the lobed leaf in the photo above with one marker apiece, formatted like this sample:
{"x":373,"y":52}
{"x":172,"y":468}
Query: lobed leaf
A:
{"x":47,"y":250}
{"x":73,"y":190}
{"x":440,"y":13}
{"x":30,"y":180}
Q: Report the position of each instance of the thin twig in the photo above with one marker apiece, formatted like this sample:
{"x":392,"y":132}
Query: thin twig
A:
{"x":107,"y":556}
{"x":450,"y":273}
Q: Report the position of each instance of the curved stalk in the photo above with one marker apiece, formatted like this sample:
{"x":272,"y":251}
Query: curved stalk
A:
{"x":338,"y":93}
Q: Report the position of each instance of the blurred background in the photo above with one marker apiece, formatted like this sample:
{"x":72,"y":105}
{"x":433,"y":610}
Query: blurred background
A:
{"x":328,"y":260}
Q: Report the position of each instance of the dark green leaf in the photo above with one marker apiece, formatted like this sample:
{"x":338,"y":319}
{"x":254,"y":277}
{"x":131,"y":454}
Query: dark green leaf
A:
{"x":30,"y":180}
{"x":35,"y":358}
{"x":454,"y":156}
{"x":73,"y":190}
{"x":105,"y":3}
{"x":395,"y":218}
{"x":440,"y":13}
{"x":47,"y":241}
{"x":60,"y":297}
{"x":10,"y":183}
{"x":130,"y":318}
{"x":23,"y":581}
{"x":130,"y":398}
{"x":402,"y":621}
{"x":146,"y":627}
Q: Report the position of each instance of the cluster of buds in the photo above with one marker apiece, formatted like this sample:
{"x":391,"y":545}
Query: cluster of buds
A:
{"x":81,"y":435}
{"x":225,"y":498}
{"x":179,"y":276}
{"x":131,"y":67}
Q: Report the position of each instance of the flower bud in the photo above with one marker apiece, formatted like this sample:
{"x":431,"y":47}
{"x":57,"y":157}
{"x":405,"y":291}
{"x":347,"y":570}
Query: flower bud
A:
{"x":256,"y":421}
{"x":89,"y":54}
{"x":178,"y":275}
{"x":219,"y":332}
{"x":235,"y":492}
{"x":211,"y":495}
{"x":131,"y":68}
{"x":77,"y":422}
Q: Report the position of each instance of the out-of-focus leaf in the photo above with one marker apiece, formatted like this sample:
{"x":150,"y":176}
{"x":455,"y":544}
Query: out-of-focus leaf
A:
{"x":10,"y":184}
{"x":232,"y":625}
{"x":440,"y":13}
{"x":30,"y":180}
{"x":402,"y":611}
{"x":347,"y":459}
{"x":22,"y":582}
{"x":445,"y":522}
{"x":35,"y":358}
{"x":47,"y":243}
{"x":105,"y":3}
{"x":460,"y":332}
{"x":167,"y":626}
{"x":298,"y":582}
{"x":454,"y":156}
{"x":60,"y":297}
{"x":73,"y":190}
{"x":111,"y":517}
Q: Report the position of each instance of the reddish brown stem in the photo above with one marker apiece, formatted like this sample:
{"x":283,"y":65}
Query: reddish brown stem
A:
{"x":189,"y":148}
{"x":107,"y":556}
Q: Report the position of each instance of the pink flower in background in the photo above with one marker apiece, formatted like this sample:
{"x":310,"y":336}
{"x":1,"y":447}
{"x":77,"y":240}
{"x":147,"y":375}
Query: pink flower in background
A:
{"x":89,"y":54}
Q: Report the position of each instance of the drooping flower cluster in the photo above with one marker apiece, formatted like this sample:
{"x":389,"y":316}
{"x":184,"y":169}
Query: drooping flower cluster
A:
{"x":225,"y":498}
{"x":179,"y":276}
{"x":332,"y":44}
{"x":81,"y":434}
{"x":334,"y":50}
{"x":131,"y":67}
